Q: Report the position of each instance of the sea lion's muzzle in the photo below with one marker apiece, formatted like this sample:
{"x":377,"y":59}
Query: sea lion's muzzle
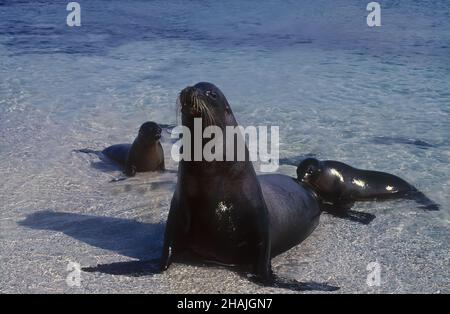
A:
{"x":191,"y":103}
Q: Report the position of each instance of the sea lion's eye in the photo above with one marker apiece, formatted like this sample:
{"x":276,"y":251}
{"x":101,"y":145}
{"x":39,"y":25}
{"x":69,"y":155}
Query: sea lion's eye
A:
{"x":211,"y":94}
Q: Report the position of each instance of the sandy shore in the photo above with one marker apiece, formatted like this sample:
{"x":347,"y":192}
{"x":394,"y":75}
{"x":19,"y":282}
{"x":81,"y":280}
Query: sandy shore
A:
{"x":89,"y":220}
{"x":374,"y":98}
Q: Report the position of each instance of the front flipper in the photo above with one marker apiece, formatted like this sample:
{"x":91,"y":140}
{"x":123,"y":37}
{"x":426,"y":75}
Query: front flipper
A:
{"x":424,"y":202}
{"x":343,"y":211}
{"x":162,"y":166}
{"x":292,"y":284}
{"x":87,"y":151}
{"x":263,"y":264}
{"x":337,"y":209}
{"x":360,"y":217}
{"x":263,"y":261}
{"x":177,"y":229}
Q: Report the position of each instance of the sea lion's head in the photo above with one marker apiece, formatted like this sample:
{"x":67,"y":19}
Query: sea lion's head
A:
{"x":308,"y":170}
{"x":205,"y":100}
{"x":149,"y":132}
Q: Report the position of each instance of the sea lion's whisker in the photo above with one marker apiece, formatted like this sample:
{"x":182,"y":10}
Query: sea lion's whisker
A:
{"x":198,"y":104}
{"x":209,"y":114}
{"x":209,"y":117}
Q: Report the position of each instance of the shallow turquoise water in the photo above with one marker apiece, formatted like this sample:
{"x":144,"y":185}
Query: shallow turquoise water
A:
{"x":376,"y":98}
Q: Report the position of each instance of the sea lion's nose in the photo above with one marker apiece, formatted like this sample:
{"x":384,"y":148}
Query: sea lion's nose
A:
{"x":187,"y":94}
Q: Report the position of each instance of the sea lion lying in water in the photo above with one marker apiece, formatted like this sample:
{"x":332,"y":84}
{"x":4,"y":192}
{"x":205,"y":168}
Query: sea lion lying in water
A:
{"x":340,"y":185}
{"x":144,"y":154}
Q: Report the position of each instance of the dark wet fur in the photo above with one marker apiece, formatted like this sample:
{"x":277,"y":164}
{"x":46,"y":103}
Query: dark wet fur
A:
{"x":344,"y":211}
{"x":105,"y":164}
{"x":348,"y":214}
{"x":343,"y":195}
{"x":88,"y":151}
{"x":414,"y":195}
{"x":421,"y":199}
{"x":356,"y":216}
{"x":131,"y":268}
{"x":295,"y":160}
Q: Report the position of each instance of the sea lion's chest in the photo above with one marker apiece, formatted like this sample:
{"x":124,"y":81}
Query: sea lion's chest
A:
{"x":220,"y":227}
{"x":145,"y":158}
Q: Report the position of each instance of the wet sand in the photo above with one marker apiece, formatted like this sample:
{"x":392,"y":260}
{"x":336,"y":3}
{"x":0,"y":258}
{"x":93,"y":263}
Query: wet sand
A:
{"x":121,"y":224}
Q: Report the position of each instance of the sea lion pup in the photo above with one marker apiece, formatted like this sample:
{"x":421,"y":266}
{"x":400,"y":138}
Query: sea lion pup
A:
{"x":145,"y":154}
{"x":221,"y":210}
{"x":341,"y":185}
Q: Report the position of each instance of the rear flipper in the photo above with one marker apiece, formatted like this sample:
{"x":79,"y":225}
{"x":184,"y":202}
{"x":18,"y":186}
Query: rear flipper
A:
{"x":291,"y":284}
{"x":101,"y":155}
{"x":88,"y":151}
{"x":343,"y":211}
{"x":424,"y":202}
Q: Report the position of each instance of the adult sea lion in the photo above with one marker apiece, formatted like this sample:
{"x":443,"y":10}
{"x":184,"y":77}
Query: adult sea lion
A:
{"x":341,"y":185}
{"x":221,"y":210}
